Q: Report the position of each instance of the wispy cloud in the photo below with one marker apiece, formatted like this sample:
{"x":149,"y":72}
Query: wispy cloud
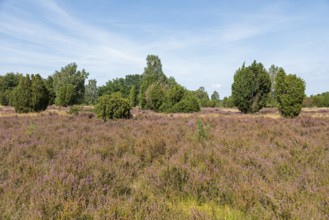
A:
{"x":43,"y":36}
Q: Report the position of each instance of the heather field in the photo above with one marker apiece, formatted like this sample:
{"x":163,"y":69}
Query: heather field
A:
{"x":216,"y":164}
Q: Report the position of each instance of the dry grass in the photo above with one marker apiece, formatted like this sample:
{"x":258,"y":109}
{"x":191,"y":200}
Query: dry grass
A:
{"x":215,"y":164}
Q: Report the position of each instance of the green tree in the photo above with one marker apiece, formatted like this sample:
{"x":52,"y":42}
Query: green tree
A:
{"x":7,"y":84}
{"x":290,"y":93}
{"x":22,"y":95}
{"x":215,"y":96}
{"x":112,"y":107}
{"x":152,"y":73}
{"x":203,"y":97}
{"x":251,"y":87}
{"x":49,"y":83}
{"x":65,"y":95}
{"x":214,"y":99}
{"x":91,"y":92}
{"x":64,"y":79}
{"x":133,"y":96}
{"x":39,"y":94}
{"x":155,"y":96}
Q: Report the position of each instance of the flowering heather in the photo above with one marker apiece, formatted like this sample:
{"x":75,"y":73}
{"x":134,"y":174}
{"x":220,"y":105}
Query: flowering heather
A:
{"x":208,"y":165}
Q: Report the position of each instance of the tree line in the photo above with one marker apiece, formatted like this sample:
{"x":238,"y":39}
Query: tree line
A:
{"x":253,"y":88}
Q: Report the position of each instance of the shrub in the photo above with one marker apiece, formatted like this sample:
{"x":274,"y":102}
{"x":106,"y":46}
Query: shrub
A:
{"x":112,"y":107}
{"x":188,"y":104}
{"x":290,"y":93}
{"x":74,"y":110}
{"x":251,"y":87}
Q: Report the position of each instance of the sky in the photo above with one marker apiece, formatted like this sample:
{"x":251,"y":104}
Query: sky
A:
{"x":199,"y":42}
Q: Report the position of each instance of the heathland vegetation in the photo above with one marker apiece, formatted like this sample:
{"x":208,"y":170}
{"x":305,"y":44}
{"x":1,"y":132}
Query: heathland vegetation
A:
{"x":145,"y":147}
{"x":214,"y":164}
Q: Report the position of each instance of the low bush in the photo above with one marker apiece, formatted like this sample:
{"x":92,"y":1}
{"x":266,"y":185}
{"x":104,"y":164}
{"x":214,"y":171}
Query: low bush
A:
{"x":113,"y":107}
{"x":188,"y":104}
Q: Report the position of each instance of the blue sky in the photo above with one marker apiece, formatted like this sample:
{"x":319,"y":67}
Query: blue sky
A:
{"x":200,"y":43}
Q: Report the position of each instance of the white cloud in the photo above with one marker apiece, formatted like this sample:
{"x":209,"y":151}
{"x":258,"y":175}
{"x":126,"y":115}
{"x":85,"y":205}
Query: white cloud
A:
{"x":216,"y":86}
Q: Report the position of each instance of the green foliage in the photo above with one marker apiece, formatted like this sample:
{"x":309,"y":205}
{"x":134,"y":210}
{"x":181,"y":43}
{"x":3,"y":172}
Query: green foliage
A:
{"x":321,"y":100}
{"x":30,"y":94}
{"x":49,"y":83}
{"x":122,"y":85}
{"x":65,"y":95}
{"x":74,"y":110}
{"x":290,"y":93}
{"x":22,"y":95}
{"x":39,"y":94}
{"x":7,"y":84}
{"x":155,"y":96}
{"x":175,"y":94}
{"x":215,"y":96}
{"x":69,"y":85}
{"x":112,"y":107}
{"x":202,"y":95}
{"x":251,"y":87}
{"x":133,"y":96}
{"x":162,"y":94}
{"x":91,"y":92}
{"x":152,"y":74}
{"x":188,"y":104}
{"x":228,"y":102}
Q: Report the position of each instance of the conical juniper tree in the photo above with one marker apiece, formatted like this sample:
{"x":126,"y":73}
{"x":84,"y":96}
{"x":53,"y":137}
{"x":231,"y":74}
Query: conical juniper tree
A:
{"x":289,"y":93}
{"x":251,"y":87}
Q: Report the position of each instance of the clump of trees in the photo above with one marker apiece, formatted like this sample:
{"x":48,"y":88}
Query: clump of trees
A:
{"x":251,"y":87}
{"x":254,"y":87}
{"x":319,"y":100}
{"x":124,"y":86}
{"x":289,"y":93}
{"x":162,"y":94}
